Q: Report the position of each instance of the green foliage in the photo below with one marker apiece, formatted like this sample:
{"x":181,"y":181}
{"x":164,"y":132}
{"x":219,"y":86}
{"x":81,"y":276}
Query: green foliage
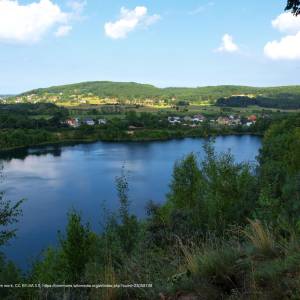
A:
{"x":50,"y":268}
{"x":76,"y":247}
{"x":128,"y":229}
{"x":131,"y":90}
{"x":201,"y":243}
{"x":293,"y":5}
{"x":9,"y":213}
{"x":221,"y":267}
{"x":31,"y":116}
{"x":230,"y":190}
{"x":278,"y":100}
{"x":9,"y":274}
{"x":185,"y":187}
{"x":279,"y":173}
{"x":10,"y":139}
{"x":217,"y":193}
{"x":261,"y":239}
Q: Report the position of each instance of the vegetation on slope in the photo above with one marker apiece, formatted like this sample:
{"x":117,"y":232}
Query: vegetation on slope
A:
{"x":227,"y":231}
{"x":131,"y":90}
{"x":23,"y":125}
{"x":280,"y":101}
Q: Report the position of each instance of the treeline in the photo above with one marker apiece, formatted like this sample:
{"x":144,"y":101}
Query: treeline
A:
{"x":21,"y":131}
{"x":33,"y":109}
{"x":280,"y":101}
{"x":10,"y":139}
{"x":132,"y":90}
{"x":227,"y":230}
{"x":27,"y":116}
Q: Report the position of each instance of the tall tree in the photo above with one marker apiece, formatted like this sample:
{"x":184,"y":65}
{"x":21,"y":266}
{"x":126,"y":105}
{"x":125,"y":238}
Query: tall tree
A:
{"x":186,"y":183}
{"x":294,"y":6}
{"x":128,"y":229}
{"x":76,"y":247}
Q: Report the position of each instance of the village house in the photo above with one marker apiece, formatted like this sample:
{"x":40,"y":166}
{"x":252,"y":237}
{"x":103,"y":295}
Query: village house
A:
{"x":174,"y":120}
{"x":89,"y":122}
{"x":223,"y":121}
{"x":236,"y":122}
{"x":102,"y":122}
{"x":73,"y":122}
{"x":252,"y":118}
{"x":198,"y":118}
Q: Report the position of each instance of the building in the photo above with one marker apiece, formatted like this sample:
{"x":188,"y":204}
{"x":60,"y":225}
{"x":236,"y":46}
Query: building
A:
{"x":236,"y":122}
{"x":102,"y":122}
{"x":89,"y":122}
{"x":73,"y":122}
{"x":223,"y":121}
{"x":174,"y":120}
{"x":198,"y":118}
{"x":252,"y":118}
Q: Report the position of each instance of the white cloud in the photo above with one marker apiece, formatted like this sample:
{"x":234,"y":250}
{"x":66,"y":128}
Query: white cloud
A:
{"x":287,"y":22}
{"x":77,"y":7}
{"x":129,"y":21}
{"x":27,"y":23}
{"x":228,"y":44}
{"x":201,"y":8}
{"x":63,"y":30}
{"x":288,"y":47}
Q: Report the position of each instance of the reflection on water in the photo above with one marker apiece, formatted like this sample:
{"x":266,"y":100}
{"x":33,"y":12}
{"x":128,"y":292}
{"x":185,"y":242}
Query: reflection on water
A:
{"x":55,"y":179}
{"x":22,"y":153}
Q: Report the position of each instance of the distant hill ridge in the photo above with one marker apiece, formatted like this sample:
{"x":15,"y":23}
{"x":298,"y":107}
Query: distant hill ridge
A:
{"x":109,"y":88}
{"x":133,"y":90}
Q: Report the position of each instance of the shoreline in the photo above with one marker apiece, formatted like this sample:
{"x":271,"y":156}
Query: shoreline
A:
{"x":67,"y":142}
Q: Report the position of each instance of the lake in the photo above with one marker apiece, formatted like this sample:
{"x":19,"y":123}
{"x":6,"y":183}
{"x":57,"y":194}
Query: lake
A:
{"x":53,"y":180}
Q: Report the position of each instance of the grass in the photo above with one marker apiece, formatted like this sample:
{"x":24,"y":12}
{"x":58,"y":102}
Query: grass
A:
{"x":261,"y":238}
{"x":39,"y":117}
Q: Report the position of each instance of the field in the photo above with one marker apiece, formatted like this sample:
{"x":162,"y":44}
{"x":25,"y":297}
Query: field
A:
{"x":209,"y":110}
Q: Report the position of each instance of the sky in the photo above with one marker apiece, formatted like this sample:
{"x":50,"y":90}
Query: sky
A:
{"x":161,"y":42}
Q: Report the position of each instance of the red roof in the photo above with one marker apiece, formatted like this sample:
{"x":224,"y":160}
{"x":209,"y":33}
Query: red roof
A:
{"x":252,"y":118}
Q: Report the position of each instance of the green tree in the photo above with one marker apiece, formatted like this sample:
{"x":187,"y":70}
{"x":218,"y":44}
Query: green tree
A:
{"x":185,"y":187}
{"x":128,"y":229}
{"x":213,"y":194}
{"x":230,"y":190}
{"x":293,"y":5}
{"x":279,"y":171}
{"x":76,"y":247}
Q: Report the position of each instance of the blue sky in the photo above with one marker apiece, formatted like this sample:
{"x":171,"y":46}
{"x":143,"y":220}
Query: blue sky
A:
{"x":165,"y":43}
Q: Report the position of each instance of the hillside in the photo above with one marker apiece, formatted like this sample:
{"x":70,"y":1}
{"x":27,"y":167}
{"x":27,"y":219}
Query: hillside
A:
{"x":122,"y":91}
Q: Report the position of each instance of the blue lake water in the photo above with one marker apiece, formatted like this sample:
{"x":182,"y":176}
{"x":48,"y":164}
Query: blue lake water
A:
{"x":53,"y":180}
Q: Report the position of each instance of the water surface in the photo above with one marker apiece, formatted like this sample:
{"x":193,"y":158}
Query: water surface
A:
{"x":54,"y":180}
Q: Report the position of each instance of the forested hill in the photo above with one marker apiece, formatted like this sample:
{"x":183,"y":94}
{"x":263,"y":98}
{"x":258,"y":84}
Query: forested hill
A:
{"x":130,"y":90}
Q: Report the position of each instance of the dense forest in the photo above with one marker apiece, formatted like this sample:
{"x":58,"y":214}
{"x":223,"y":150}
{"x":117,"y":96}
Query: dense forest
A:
{"x":280,"y":101}
{"x":227,"y":230}
{"x":131,"y":90}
